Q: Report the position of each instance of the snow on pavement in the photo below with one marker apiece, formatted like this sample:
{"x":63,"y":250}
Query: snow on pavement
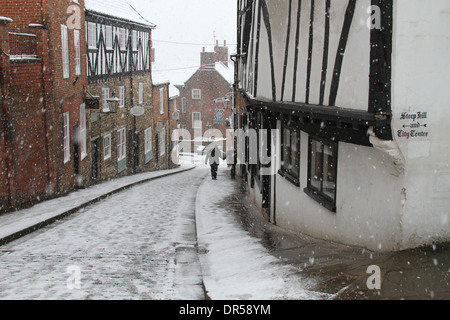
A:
{"x":235,"y":265}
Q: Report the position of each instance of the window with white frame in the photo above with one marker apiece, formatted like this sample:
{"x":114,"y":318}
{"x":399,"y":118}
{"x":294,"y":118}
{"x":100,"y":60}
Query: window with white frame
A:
{"x":141,"y":92}
{"x":108,"y":38}
{"x":121,"y":144}
{"x":107,"y":146}
{"x":196,"y":120}
{"x":134,"y":40}
{"x":76,"y":36}
{"x":65,"y":51}
{"x":183,"y":105}
{"x":122,"y":96}
{"x":105,"y":97}
{"x":161,"y":100}
{"x":83,"y":131}
{"x":196,"y":94}
{"x":148,"y":141}
{"x":122,"y":39}
{"x":162,"y":141}
{"x":92,"y":35}
{"x":66,"y":137}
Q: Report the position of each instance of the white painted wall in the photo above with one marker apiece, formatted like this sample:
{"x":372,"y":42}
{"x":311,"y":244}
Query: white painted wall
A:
{"x":421,"y":83}
{"x":368,"y":201}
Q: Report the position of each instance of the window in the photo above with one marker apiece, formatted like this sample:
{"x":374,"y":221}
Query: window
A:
{"x":322,"y":169}
{"x":196,"y":120}
{"x":121,"y":144}
{"x":121,"y":150}
{"x":148,"y":145}
{"x":65,"y":51}
{"x":290,"y":155}
{"x":92,"y":36}
{"x":105,"y":97}
{"x":196,"y":94}
{"x":66,"y":137}
{"x":161,"y":100}
{"x":141,"y":92}
{"x":76,"y":35}
{"x":183,"y":105}
{"x":162,"y":141}
{"x":122,"y":96}
{"x":122,"y":39}
{"x":134,"y":40}
{"x":109,"y":38}
{"x":83,"y":131}
{"x":107,"y":146}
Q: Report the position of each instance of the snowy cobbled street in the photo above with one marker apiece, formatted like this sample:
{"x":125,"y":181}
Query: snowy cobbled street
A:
{"x":124,"y":247}
{"x":142,"y":244}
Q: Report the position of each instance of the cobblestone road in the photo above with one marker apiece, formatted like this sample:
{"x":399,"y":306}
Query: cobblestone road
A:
{"x":126,"y":247}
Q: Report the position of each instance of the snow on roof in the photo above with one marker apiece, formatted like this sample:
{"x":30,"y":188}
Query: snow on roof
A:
{"x":226,"y":72}
{"x":121,"y":9}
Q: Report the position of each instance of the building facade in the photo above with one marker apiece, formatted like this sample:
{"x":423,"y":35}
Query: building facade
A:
{"x":43,"y":112}
{"x":119,"y":67}
{"x":206,"y":98}
{"x":342,"y":90}
{"x":77,"y":101}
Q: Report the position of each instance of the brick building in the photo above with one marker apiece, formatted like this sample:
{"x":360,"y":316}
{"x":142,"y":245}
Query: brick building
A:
{"x":118,"y":58}
{"x":77,"y":98}
{"x":42,"y":60}
{"x":206,"y":97}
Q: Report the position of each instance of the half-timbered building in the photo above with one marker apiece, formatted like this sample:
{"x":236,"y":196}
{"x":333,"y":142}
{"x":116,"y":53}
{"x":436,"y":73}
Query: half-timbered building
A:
{"x":119,"y":89}
{"x":343,"y":89}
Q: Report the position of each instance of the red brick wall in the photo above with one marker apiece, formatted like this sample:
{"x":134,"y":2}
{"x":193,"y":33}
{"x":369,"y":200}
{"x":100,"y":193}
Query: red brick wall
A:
{"x":212,"y":86}
{"x":35,"y":96}
{"x":23,"y":12}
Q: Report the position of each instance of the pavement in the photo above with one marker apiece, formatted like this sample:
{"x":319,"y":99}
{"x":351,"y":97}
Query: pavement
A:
{"x":348,"y":272}
{"x":344,"y":272}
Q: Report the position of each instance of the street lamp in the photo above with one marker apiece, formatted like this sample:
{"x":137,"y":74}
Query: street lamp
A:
{"x":112,"y":104}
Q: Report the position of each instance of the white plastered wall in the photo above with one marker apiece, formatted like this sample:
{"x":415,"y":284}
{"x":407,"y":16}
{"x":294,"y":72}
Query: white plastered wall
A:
{"x":421,"y":83}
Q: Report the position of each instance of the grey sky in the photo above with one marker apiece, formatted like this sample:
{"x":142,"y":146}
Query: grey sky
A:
{"x":187,"y":21}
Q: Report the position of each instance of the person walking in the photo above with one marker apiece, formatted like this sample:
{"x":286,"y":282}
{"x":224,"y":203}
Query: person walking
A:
{"x":213,"y":156}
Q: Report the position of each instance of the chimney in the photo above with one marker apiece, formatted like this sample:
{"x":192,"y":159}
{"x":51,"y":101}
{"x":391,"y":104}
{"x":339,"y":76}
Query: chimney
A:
{"x":207,"y":60}
{"x":221,"y":53}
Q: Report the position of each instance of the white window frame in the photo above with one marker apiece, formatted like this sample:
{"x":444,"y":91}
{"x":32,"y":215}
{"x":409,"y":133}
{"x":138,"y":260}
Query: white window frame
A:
{"x":122,"y":96}
{"x":197,"y":123}
{"x":65,"y":51}
{"x":141,"y":92}
{"x":196,"y":94}
{"x":107,"y":143}
{"x":183,"y":105}
{"x":66,"y":137}
{"x":92,"y":35}
{"x":76,"y":39}
{"x":122,"y":39}
{"x":134,"y":40}
{"x":148,"y":140}
{"x":162,"y":141}
{"x":83,"y":131}
{"x":108,"y":37}
{"x":105,"y":96}
{"x":121,"y":144}
{"x":161,"y":100}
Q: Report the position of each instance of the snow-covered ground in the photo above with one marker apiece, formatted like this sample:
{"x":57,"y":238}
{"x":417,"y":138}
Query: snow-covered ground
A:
{"x":141,"y":244}
{"x":236,"y":265}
